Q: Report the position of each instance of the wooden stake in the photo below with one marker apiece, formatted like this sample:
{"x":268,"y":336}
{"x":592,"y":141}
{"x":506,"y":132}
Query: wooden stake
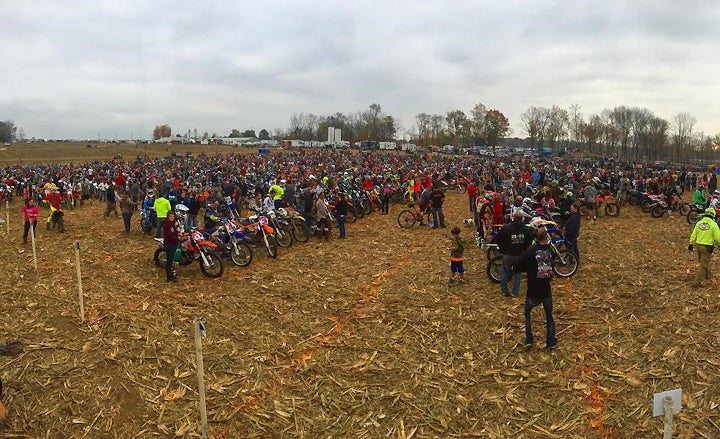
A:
{"x":200,"y":329}
{"x":7,"y":217}
{"x":79,"y":277}
{"x":668,"y":406}
{"x":32,"y":240}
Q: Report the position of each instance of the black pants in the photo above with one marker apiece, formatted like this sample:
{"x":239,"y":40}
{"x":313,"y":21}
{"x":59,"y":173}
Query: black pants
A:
{"x":27,"y":229}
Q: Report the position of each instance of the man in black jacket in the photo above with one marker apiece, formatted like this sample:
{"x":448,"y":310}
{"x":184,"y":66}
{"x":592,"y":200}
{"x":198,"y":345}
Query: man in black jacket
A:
{"x":437,"y":197}
{"x":572,"y":231}
{"x":341,"y":211}
{"x":539,"y":259}
{"x":512,"y":240}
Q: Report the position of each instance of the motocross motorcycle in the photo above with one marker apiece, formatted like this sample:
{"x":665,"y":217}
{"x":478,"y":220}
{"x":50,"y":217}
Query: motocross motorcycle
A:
{"x":194,"y":246}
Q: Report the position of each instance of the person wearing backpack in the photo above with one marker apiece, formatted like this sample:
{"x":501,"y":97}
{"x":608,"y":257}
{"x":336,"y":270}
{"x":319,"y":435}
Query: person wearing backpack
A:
{"x":538,"y":259}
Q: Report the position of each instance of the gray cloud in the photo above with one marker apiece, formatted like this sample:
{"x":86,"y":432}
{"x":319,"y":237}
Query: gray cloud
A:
{"x":78,"y":69}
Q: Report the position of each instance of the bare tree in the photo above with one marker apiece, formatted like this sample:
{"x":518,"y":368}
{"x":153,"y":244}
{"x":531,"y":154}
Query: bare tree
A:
{"x":423,"y":124}
{"x":682,"y":125}
{"x":535,"y":121}
{"x":576,"y":123}
{"x":436,"y":125}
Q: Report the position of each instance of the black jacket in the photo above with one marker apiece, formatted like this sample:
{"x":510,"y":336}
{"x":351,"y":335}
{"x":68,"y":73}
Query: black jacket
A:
{"x":514,"y":238}
{"x":572,"y":226}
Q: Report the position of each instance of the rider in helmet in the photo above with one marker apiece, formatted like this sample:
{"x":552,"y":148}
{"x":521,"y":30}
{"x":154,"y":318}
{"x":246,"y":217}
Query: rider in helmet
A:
{"x":715,"y":200}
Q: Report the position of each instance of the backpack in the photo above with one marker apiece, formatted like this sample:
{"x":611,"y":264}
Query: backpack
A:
{"x":544,"y":259}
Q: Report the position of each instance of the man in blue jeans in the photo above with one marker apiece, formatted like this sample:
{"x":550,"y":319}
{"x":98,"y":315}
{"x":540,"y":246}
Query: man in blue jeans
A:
{"x":512,"y":240}
{"x":539,"y":260}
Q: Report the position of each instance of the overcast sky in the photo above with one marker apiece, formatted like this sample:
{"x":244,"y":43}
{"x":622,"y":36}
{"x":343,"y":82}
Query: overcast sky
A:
{"x":79,"y":69}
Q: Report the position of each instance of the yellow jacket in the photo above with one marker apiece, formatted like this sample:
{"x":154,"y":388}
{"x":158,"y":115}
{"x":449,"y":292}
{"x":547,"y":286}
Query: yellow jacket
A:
{"x":706,"y":232}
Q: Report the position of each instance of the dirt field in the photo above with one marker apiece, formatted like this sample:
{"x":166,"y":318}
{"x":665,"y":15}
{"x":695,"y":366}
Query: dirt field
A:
{"x":78,"y":152}
{"x":356,"y":338}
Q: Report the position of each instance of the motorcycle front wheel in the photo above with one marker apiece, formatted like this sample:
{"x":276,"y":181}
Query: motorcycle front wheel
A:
{"x":283,"y":237}
{"x":493,"y":269}
{"x":214,"y":267}
{"x":271,"y":246}
{"x":240,"y":254}
{"x":565,"y":263}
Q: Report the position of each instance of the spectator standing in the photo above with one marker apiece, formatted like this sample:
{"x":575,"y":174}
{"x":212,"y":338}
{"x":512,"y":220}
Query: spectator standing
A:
{"x":341,"y":210}
{"x":472,"y":195}
{"x":572,"y":231}
{"x":127,"y":207}
{"x":30,"y":212}
{"x":512,"y":240}
{"x":193,"y":210}
{"x":110,"y":199}
{"x":538,"y":260}
{"x":385,"y":198}
{"x":704,"y":237}
{"x":162,"y":207}
{"x":590,"y":201}
{"x":456,"y":257}
{"x":437,"y":200}
{"x":322,"y":216}
{"x":171,"y":241}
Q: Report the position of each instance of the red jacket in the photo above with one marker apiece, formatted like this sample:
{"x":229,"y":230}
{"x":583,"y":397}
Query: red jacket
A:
{"x":55,"y":200}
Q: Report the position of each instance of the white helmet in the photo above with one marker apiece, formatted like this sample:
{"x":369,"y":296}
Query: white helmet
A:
{"x":181,"y":211}
{"x":282,"y":211}
{"x":537,"y":222}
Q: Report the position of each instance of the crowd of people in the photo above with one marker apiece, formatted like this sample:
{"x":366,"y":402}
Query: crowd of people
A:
{"x":305,"y":180}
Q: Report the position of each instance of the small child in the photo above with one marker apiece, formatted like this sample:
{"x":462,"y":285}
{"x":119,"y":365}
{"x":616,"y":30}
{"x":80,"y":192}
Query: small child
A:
{"x":456,"y":257}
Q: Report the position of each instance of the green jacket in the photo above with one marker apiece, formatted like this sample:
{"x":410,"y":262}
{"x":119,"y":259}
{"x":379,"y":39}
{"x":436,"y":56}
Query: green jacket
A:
{"x":706,"y":232}
{"x":700,"y":197}
{"x":162,"y":207}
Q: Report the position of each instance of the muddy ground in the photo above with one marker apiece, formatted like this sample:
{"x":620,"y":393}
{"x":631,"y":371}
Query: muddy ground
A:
{"x":355,"y":338}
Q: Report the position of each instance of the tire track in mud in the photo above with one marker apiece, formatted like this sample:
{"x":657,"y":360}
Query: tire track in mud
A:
{"x":598,"y":395}
{"x":344,"y":324}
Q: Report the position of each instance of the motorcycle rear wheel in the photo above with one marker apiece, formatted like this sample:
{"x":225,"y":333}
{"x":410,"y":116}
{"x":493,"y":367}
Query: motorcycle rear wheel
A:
{"x":298,"y":230}
{"x":657,"y":211}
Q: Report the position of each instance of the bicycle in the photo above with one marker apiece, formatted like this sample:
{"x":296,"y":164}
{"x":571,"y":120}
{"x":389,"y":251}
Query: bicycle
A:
{"x":408,"y":217}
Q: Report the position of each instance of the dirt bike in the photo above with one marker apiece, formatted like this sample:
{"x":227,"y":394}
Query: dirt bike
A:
{"x":297,"y":225}
{"x":604,"y":200}
{"x":234,"y":243}
{"x":695,"y":213}
{"x":458,"y":185}
{"x":148,"y":220}
{"x":669,"y":205}
{"x":194,"y":247}
{"x":260,"y":231}
{"x":565,"y":262}
{"x":281,"y":229}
